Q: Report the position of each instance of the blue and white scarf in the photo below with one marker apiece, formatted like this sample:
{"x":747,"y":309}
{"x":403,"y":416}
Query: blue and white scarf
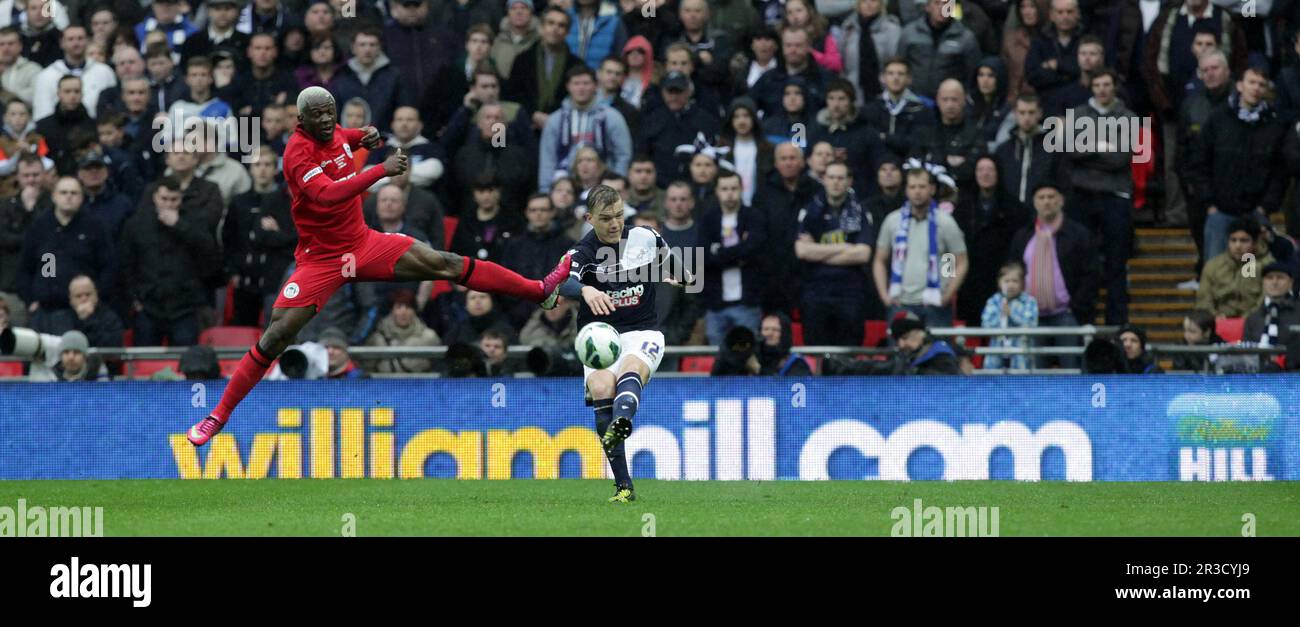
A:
{"x":1249,"y":115}
{"x":931,"y":295}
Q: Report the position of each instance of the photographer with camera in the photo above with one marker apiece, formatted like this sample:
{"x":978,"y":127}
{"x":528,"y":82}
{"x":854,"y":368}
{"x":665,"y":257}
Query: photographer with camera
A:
{"x":736,"y":354}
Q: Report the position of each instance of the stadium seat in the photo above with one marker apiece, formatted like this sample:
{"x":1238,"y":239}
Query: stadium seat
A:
{"x":144,"y":368}
{"x":228,"y":312}
{"x":1230,"y":329}
{"x":11,"y":369}
{"x":796,"y":333}
{"x":814,"y":363}
{"x":874,"y":333}
{"x":448,"y":230}
{"x":236,"y":337}
{"x":697,"y":363}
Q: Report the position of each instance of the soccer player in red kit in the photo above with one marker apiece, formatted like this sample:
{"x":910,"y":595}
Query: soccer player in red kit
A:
{"x":335,"y":246}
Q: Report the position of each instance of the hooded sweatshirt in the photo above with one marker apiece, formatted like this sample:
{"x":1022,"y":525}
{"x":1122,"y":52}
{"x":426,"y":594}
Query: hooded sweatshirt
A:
{"x":570,"y":128}
{"x":635,"y":86}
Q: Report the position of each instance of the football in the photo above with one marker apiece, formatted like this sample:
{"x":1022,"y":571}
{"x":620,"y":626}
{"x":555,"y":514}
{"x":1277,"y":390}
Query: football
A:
{"x":597,"y":345}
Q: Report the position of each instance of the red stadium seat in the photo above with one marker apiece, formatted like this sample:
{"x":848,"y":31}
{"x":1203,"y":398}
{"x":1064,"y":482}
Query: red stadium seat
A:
{"x":11,"y":369}
{"x":237,"y":337}
{"x":796,"y":333}
{"x":144,"y":368}
{"x":874,"y":333}
{"x":1230,"y":329}
{"x":228,"y":312}
{"x":439,"y":288}
{"x":697,"y":363}
{"x":448,"y":230}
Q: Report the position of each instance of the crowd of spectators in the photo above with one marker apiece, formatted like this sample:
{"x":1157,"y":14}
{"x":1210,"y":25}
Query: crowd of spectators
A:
{"x":835,"y":161}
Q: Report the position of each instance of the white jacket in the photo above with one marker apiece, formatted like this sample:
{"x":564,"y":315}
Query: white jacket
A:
{"x":20,"y":78}
{"x":95,"y":78}
{"x":7,"y":11}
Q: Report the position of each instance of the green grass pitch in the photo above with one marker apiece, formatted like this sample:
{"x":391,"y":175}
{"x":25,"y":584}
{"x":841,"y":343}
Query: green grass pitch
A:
{"x":578,"y":508}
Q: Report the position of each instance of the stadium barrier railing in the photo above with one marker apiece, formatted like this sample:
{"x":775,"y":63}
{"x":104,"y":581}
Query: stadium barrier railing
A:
{"x":1085,"y":332}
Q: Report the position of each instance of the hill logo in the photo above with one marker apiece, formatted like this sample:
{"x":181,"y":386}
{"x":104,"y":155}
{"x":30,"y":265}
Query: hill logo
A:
{"x":1219,"y":433}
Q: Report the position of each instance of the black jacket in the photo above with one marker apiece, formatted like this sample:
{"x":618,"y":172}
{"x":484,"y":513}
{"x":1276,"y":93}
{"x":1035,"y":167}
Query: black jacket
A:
{"x":259,"y":257}
{"x":164,"y":267}
{"x":471,"y":237}
{"x":1236,"y":165}
{"x":14,"y":220}
{"x":201,"y":200}
{"x":113,"y":208}
{"x":900,"y":130}
{"x":936,"y":142}
{"x":1078,"y":262}
{"x":1045,"y":47}
{"x":988,"y":233}
{"x":770,"y":88}
{"x":1287,"y":313}
{"x":1043,"y":166}
{"x":1194,"y":113}
{"x":257,"y":93}
{"x":663,"y":130}
{"x":532,"y":255}
{"x":780,"y":207}
{"x":514,"y":167}
{"x":1288,"y":93}
{"x":200,"y":44}
{"x":747,"y":255}
{"x":862,"y":142}
{"x":81,"y":247}
{"x":102,"y":328}
{"x":385,"y":92}
{"x":523,"y":87}
{"x":58,"y":129}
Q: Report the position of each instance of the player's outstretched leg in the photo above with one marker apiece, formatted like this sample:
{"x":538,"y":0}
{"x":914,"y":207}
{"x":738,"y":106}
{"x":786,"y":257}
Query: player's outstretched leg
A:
{"x":627,"y":398}
{"x":283,"y":330}
{"x":422,"y":263}
{"x":623,"y":491}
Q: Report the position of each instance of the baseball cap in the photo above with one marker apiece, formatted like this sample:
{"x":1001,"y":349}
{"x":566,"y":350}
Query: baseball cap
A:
{"x":676,"y":81}
{"x":511,"y":3}
{"x":1278,"y":266}
{"x":905,"y":324}
{"x":200,"y":362}
{"x":333,"y":337}
{"x":74,"y":341}
{"x":93,"y":158}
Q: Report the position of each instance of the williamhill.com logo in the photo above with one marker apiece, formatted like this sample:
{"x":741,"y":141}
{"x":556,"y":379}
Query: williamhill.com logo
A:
{"x":722,"y":439}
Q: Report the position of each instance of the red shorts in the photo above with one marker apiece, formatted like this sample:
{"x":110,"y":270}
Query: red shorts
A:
{"x":315,"y":280}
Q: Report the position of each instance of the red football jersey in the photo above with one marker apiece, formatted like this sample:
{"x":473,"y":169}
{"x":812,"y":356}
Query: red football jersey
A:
{"x":326,"y":226}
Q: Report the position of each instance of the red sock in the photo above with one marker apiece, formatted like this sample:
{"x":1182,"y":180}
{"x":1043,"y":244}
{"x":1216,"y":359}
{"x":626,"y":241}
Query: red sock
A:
{"x":485,"y":276}
{"x":250,"y":371}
